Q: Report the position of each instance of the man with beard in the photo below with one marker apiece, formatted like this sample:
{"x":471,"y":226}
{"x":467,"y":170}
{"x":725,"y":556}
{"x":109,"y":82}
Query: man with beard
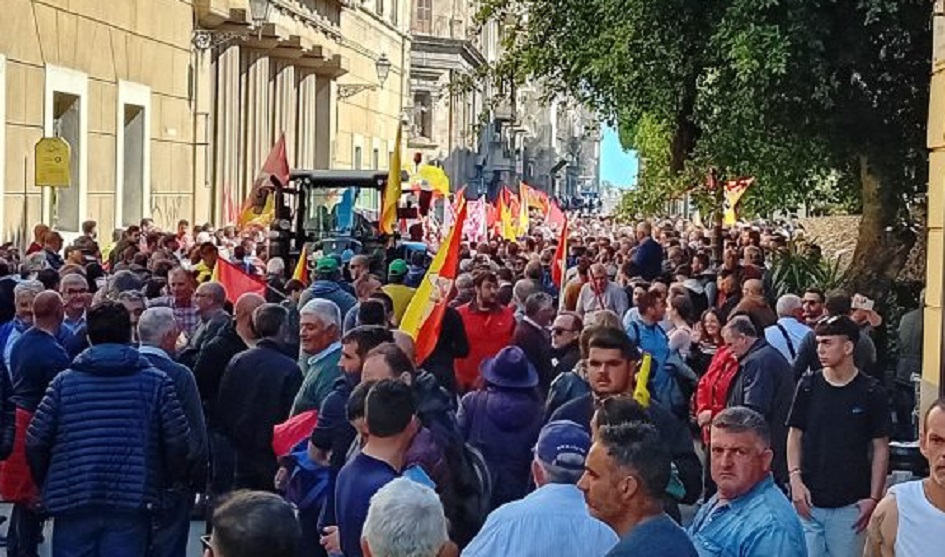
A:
{"x":489,"y":327}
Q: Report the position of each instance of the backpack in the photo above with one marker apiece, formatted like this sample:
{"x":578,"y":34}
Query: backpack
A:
{"x":308,"y":483}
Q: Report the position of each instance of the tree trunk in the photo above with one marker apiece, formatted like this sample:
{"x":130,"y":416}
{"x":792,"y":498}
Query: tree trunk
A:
{"x":884,"y":240}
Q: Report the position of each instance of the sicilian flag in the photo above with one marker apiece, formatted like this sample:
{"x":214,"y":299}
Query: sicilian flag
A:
{"x":301,"y":268}
{"x":561,"y":257}
{"x":259,"y":209}
{"x":424,"y":316}
{"x":235,"y":281}
{"x":393,"y":189}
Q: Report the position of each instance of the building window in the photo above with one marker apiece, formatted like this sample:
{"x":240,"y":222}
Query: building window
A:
{"x":376,"y":159}
{"x":379,"y":7}
{"x":132,"y":172}
{"x":357,"y":158}
{"x":423,"y":18}
{"x":423,"y":114}
{"x":67,"y":117}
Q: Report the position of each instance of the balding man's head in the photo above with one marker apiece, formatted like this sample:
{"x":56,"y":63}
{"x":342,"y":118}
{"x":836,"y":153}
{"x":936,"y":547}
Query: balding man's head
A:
{"x":244,"y":308}
{"x":753,"y":287}
{"x":48,"y":310}
{"x":210,"y":297}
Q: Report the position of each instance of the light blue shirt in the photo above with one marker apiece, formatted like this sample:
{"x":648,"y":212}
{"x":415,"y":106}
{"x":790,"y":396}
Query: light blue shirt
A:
{"x":760,"y":523}
{"x":796,"y":331}
{"x":552,"y":521}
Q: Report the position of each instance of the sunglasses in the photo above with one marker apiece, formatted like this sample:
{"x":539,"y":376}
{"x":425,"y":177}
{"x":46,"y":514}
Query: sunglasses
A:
{"x":205,"y":542}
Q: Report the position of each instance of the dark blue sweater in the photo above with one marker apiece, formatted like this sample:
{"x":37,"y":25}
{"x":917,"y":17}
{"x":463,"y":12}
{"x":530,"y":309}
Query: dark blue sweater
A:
{"x":37,"y":358}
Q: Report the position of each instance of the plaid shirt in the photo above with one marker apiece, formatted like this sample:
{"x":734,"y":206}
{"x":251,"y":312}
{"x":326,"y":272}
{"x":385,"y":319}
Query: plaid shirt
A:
{"x":186,"y":316}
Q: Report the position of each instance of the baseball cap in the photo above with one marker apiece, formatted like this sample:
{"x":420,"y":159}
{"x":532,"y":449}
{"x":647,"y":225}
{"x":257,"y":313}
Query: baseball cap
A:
{"x":397,"y":268}
{"x":326,"y":265}
{"x":564,"y":444}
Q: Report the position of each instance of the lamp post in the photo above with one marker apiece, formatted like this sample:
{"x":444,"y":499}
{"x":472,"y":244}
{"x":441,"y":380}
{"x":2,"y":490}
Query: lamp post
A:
{"x":259,"y":13}
{"x":382,"y":66}
{"x":205,"y":39}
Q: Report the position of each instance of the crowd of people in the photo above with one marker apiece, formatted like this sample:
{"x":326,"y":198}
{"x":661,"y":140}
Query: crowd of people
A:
{"x":552,"y":418}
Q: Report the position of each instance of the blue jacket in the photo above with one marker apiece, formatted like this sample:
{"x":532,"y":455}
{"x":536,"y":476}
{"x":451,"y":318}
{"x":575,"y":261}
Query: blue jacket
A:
{"x":36,"y":359}
{"x":110,"y":432}
{"x":329,"y":290}
{"x":503,"y":424}
{"x":648,"y":257}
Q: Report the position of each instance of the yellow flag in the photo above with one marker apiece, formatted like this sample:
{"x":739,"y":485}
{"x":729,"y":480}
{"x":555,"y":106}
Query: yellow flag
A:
{"x":523,"y":212}
{"x":301,"y":268}
{"x":392,"y":191}
{"x":641,"y":393}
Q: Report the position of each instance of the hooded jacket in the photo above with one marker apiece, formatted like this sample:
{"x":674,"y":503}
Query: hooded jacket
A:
{"x":110,"y":432}
{"x":329,"y":290}
{"x":503,"y":424}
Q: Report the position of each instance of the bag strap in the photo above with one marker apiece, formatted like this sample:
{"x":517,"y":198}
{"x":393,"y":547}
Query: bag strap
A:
{"x":787,"y":337}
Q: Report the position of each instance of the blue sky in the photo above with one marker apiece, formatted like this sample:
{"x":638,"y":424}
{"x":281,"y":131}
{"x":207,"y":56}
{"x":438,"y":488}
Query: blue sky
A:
{"x":617,"y":166}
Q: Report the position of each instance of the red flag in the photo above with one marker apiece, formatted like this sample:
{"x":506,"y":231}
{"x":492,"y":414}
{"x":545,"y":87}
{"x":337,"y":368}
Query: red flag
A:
{"x":561,"y":257}
{"x":424,"y":316}
{"x":235,"y":281}
{"x":259,"y":207}
{"x":555,"y":215}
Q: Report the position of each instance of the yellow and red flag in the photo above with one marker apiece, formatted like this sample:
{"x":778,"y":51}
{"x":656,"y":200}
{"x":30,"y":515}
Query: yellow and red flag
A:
{"x":424,"y":316}
{"x":556,"y":217}
{"x":235,"y":281}
{"x":561,"y":257}
{"x":506,"y":227}
{"x":734,"y":190}
{"x":393,"y":189}
{"x":523,"y":210}
{"x":259,"y":209}
{"x":301,"y":268}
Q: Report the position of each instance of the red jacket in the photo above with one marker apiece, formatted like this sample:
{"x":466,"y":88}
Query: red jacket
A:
{"x":712,"y":391}
{"x":488,"y":332}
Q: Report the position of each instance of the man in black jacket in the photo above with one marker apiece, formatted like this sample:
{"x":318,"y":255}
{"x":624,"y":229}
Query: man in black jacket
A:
{"x":256,"y":394}
{"x":612,"y":362}
{"x":531,"y":335}
{"x":764,"y":383}
{"x":565,"y":342}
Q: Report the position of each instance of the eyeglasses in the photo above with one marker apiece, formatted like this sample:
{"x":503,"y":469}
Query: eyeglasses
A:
{"x":205,"y":542}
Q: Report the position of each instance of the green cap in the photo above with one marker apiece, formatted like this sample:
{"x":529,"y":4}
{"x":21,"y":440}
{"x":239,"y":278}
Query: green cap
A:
{"x":398,"y":267}
{"x":326,"y":265}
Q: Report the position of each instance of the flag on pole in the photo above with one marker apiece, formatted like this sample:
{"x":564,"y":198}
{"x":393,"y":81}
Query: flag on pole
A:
{"x":734,"y":190}
{"x":556,"y":216}
{"x":523,"y":210}
{"x":393,"y":189}
{"x":260,"y":207}
{"x":301,"y":268}
{"x":506,"y":227}
{"x":424,"y":315}
{"x":235,"y":281}
{"x":561,"y":258}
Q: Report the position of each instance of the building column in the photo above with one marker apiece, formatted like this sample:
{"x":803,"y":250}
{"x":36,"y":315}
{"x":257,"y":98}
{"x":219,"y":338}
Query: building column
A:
{"x":285,"y":107}
{"x":257,"y":114}
{"x":308,"y":119}
{"x":228,"y":194}
{"x":326,"y":130}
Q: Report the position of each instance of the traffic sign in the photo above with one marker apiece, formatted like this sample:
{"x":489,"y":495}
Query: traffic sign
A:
{"x":53,"y":157}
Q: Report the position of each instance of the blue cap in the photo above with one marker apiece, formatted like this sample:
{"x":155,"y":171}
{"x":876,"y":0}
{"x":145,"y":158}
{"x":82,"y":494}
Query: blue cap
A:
{"x":564,"y":444}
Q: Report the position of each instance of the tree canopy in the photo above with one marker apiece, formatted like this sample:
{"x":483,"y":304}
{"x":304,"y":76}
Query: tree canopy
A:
{"x":819,"y":100}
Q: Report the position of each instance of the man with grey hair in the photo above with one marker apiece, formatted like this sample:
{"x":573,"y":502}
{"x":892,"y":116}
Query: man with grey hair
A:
{"x":256,"y":393}
{"x":601,"y":293}
{"x":532,"y":336}
{"x":787,"y":334}
{"x":748,"y":515}
{"x":405,"y":519}
{"x":10,"y":332}
{"x":320,"y":336}
{"x":764,"y":383}
{"x":552,"y":520}
{"x":158,"y":331}
{"x":209,"y":299}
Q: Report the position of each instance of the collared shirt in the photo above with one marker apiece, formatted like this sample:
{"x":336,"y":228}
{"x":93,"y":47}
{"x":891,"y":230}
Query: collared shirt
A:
{"x":154,"y":350}
{"x":760,"y":522}
{"x":186,"y":316}
{"x":74,"y":325}
{"x":549,"y":522}
{"x":324,"y":353}
{"x":796,"y":331}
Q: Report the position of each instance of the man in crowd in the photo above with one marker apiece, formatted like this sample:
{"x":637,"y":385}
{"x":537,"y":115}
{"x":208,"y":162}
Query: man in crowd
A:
{"x":320,"y":335}
{"x":52,"y":245}
{"x":180,"y":298}
{"x":23,"y":295}
{"x":250,"y":523}
{"x":813,"y":305}
{"x":910,"y":519}
{"x":612,"y":362}
{"x":648,"y":255}
{"x":405,"y":519}
{"x":565,"y":336}
{"x":531,"y":335}
{"x":748,"y":515}
{"x":392,"y":423}
{"x":36,"y":359}
{"x":838,"y":445}
{"x":763,"y":383}
{"x":489,"y":326}
{"x":864,"y":351}
{"x":399,"y":293}
{"x":39,"y":239}
{"x":625,"y":477}
{"x":135,"y":303}
{"x":101,"y":472}
{"x":647,"y":333}
{"x":76,"y":298}
{"x":729,"y":294}
{"x":600,"y":294}
{"x":787,"y":335}
{"x":256,"y":393}
{"x":327,"y":286}
{"x":209,"y":300}
{"x":552,"y":520}
{"x":158,"y":334}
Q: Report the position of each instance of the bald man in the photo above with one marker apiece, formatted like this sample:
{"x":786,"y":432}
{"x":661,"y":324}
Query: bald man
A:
{"x":235,"y":337}
{"x":36,"y":359}
{"x":209,"y":301}
{"x":753,"y":287}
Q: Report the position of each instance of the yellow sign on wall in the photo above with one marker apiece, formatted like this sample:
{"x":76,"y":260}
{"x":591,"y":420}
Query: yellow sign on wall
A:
{"x":53,"y":157}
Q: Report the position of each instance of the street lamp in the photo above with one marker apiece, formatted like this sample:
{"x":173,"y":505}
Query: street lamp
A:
{"x":205,"y":39}
{"x":259,"y":12}
{"x":382,"y":66}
